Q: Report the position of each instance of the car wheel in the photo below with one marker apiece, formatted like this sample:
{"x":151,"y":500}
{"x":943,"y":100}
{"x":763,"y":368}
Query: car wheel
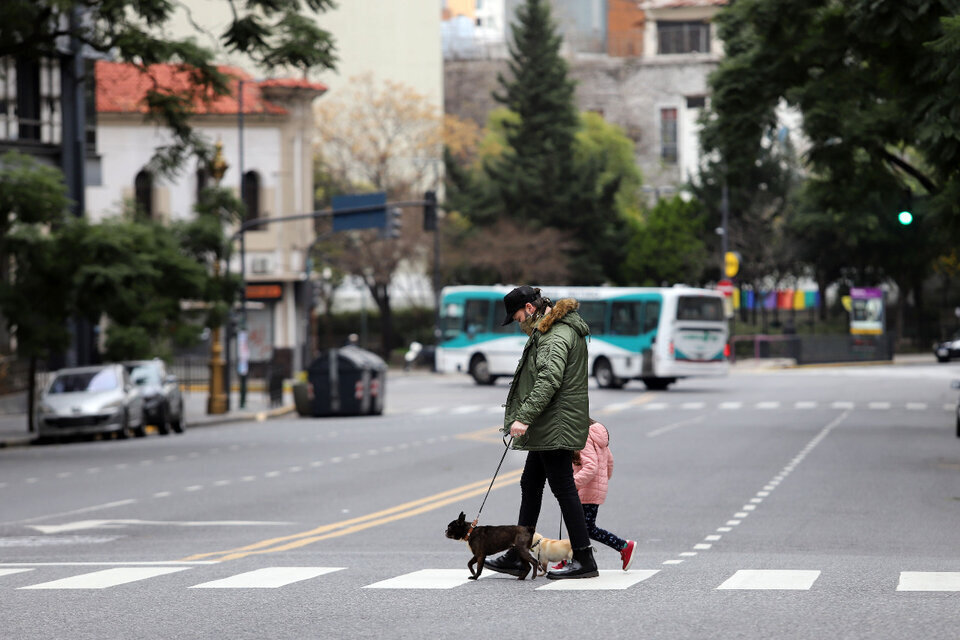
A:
{"x":162,"y":417}
{"x":603,"y":372}
{"x":480,"y":370}
{"x":179,"y":424}
{"x":657,"y":384}
{"x":124,"y":432}
{"x":943,"y":358}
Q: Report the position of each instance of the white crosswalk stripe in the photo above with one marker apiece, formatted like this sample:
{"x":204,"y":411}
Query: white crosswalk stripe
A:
{"x":107,"y":578}
{"x":427,"y":579}
{"x":8,"y":572}
{"x":267,"y":578}
{"x":607,"y":581}
{"x":929,"y":581}
{"x":771,"y":579}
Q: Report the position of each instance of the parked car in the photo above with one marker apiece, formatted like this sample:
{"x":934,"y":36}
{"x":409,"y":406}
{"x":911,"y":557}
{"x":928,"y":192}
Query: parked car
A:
{"x":87,"y":400}
{"x":162,"y":400}
{"x":947,"y":349}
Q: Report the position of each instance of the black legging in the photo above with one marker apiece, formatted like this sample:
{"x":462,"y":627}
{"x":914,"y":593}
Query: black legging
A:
{"x":555,"y":466}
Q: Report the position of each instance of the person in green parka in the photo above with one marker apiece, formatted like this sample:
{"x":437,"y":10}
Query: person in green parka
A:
{"x":547,"y":413}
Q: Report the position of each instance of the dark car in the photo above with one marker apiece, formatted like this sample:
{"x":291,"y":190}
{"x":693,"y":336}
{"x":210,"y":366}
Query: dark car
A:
{"x":162,"y":400}
{"x":947,"y":349}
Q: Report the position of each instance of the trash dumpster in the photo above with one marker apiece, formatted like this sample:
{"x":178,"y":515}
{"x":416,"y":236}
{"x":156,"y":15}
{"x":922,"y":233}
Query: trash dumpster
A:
{"x":347,"y":381}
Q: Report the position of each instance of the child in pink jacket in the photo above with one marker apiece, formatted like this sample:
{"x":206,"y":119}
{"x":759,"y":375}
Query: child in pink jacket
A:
{"x":592,"y":468}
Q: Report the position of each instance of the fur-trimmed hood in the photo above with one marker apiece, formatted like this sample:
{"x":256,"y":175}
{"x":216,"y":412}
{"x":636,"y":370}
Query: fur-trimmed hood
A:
{"x":563,"y":311}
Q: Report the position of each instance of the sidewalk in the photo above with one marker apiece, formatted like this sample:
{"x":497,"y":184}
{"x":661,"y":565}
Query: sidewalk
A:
{"x":14,"y":433}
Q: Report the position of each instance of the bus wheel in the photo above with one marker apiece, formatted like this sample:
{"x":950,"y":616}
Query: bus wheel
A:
{"x":657,"y":384}
{"x":480,"y":371}
{"x":603,"y":372}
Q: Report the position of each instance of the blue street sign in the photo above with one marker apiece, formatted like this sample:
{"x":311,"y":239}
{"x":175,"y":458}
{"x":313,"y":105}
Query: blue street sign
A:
{"x":375,"y":218}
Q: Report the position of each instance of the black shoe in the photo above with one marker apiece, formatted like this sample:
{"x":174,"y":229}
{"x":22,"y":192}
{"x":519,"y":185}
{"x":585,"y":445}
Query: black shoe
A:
{"x":508,"y":563}
{"x":582,"y":566}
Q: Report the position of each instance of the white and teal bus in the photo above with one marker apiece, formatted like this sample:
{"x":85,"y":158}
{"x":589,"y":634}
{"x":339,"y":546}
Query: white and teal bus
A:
{"x":657,"y":335}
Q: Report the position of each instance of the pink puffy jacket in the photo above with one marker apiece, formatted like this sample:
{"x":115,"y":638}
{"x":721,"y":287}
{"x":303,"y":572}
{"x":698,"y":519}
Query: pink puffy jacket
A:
{"x":596,"y":466}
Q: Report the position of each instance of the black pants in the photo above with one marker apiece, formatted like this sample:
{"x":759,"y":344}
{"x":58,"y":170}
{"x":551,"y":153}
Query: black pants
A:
{"x":555,"y":466}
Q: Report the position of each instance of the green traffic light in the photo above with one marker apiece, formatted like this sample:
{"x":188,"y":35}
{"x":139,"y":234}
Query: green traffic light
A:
{"x":905,"y":217}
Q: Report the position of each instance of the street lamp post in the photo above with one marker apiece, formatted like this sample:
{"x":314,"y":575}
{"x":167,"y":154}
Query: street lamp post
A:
{"x":217,"y":402}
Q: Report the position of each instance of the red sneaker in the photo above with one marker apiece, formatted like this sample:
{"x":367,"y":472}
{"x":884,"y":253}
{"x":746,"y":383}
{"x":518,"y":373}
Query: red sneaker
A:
{"x":626,"y":554}
{"x":559,"y":566}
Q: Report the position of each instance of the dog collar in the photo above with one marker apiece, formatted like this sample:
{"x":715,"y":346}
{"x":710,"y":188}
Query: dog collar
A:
{"x":470,"y":530}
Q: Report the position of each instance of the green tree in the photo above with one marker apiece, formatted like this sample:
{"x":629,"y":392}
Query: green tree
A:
{"x":666,"y":247}
{"x":35,"y":298}
{"x":270,"y":33}
{"x":876,"y":85}
{"x":535,"y":177}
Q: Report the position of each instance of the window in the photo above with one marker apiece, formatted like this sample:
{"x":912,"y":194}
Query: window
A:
{"x":668,"y":135}
{"x":476,"y":316}
{"x":143,"y":193}
{"x":203,"y":180}
{"x":625,"y":319}
{"x":651,"y":316}
{"x":696,"y":102}
{"x":30,"y":100}
{"x":683,"y":37}
{"x":451,"y":321}
{"x":699,"y":308}
{"x":250,"y":193}
{"x":594,"y":314}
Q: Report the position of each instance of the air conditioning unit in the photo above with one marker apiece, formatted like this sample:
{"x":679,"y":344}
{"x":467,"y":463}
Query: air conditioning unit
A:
{"x":260,"y":265}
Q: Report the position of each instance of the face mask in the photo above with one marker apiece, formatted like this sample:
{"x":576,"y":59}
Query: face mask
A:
{"x":529,"y":323}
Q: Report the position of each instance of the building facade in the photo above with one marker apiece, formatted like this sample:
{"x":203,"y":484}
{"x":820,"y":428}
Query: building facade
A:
{"x":269,"y":154}
{"x":643,"y":65}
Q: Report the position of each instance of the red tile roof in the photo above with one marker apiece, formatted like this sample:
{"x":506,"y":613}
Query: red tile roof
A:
{"x":121,"y":88}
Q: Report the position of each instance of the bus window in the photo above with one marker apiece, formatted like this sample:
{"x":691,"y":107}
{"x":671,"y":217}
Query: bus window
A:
{"x":476,"y":316}
{"x":593,"y":313}
{"x":699,"y":308}
{"x":499,"y":313}
{"x":651,"y":316}
{"x":625,"y":320}
{"x":451,"y":322}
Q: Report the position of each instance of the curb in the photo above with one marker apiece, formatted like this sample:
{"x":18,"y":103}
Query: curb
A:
{"x":260,"y":416}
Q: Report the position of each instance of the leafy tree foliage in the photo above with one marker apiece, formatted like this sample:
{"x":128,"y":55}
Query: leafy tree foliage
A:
{"x":666,"y":247}
{"x":543,"y":166}
{"x":271,"y":33}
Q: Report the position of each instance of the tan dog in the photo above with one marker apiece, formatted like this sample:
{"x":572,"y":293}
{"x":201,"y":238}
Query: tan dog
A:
{"x":549,"y":550}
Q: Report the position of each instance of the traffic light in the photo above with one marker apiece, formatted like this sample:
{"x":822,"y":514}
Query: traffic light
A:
{"x":430,"y":211}
{"x":394,"y":222}
{"x":905,"y":216}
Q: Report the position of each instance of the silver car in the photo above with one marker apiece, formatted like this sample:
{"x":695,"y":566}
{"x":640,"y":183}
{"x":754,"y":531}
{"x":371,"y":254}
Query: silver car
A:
{"x":86,"y":400}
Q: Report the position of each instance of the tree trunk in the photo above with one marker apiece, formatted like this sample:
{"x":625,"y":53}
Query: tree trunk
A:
{"x":381,"y":295}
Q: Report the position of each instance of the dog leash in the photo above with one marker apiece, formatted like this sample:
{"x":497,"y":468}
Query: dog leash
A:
{"x":506,"y":447}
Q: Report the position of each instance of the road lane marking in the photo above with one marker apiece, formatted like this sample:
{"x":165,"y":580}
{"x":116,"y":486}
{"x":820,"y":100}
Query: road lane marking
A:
{"x":487,"y":434}
{"x":730,"y":405}
{"x":879,"y":405}
{"x":107,"y":578}
{"x":805,"y":404}
{"x":352,"y":525}
{"x":267,"y":578}
{"x":608,"y":580}
{"x":107,"y":505}
{"x":768,"y":405}
{"x":10,"y":572}
{"x":675,"y":425}
{"x":690,"y":406}
{"x":842,"y":405}
{"x":782,"y":579}
{"x":101,"y":564}
{"x":427,"y":579}
{"x":916,"y":406}
{"x":84,"y":525}
{"x":929,"y":581}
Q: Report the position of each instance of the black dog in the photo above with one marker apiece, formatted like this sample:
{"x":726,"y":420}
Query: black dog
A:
{"x":484,"y":541}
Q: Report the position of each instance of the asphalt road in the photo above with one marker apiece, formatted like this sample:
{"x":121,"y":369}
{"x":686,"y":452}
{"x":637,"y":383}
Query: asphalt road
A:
{"x":792,"y":504}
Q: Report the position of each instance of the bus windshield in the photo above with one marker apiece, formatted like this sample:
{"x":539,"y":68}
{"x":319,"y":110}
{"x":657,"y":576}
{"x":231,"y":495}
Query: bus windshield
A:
{"x":699,"y":308}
